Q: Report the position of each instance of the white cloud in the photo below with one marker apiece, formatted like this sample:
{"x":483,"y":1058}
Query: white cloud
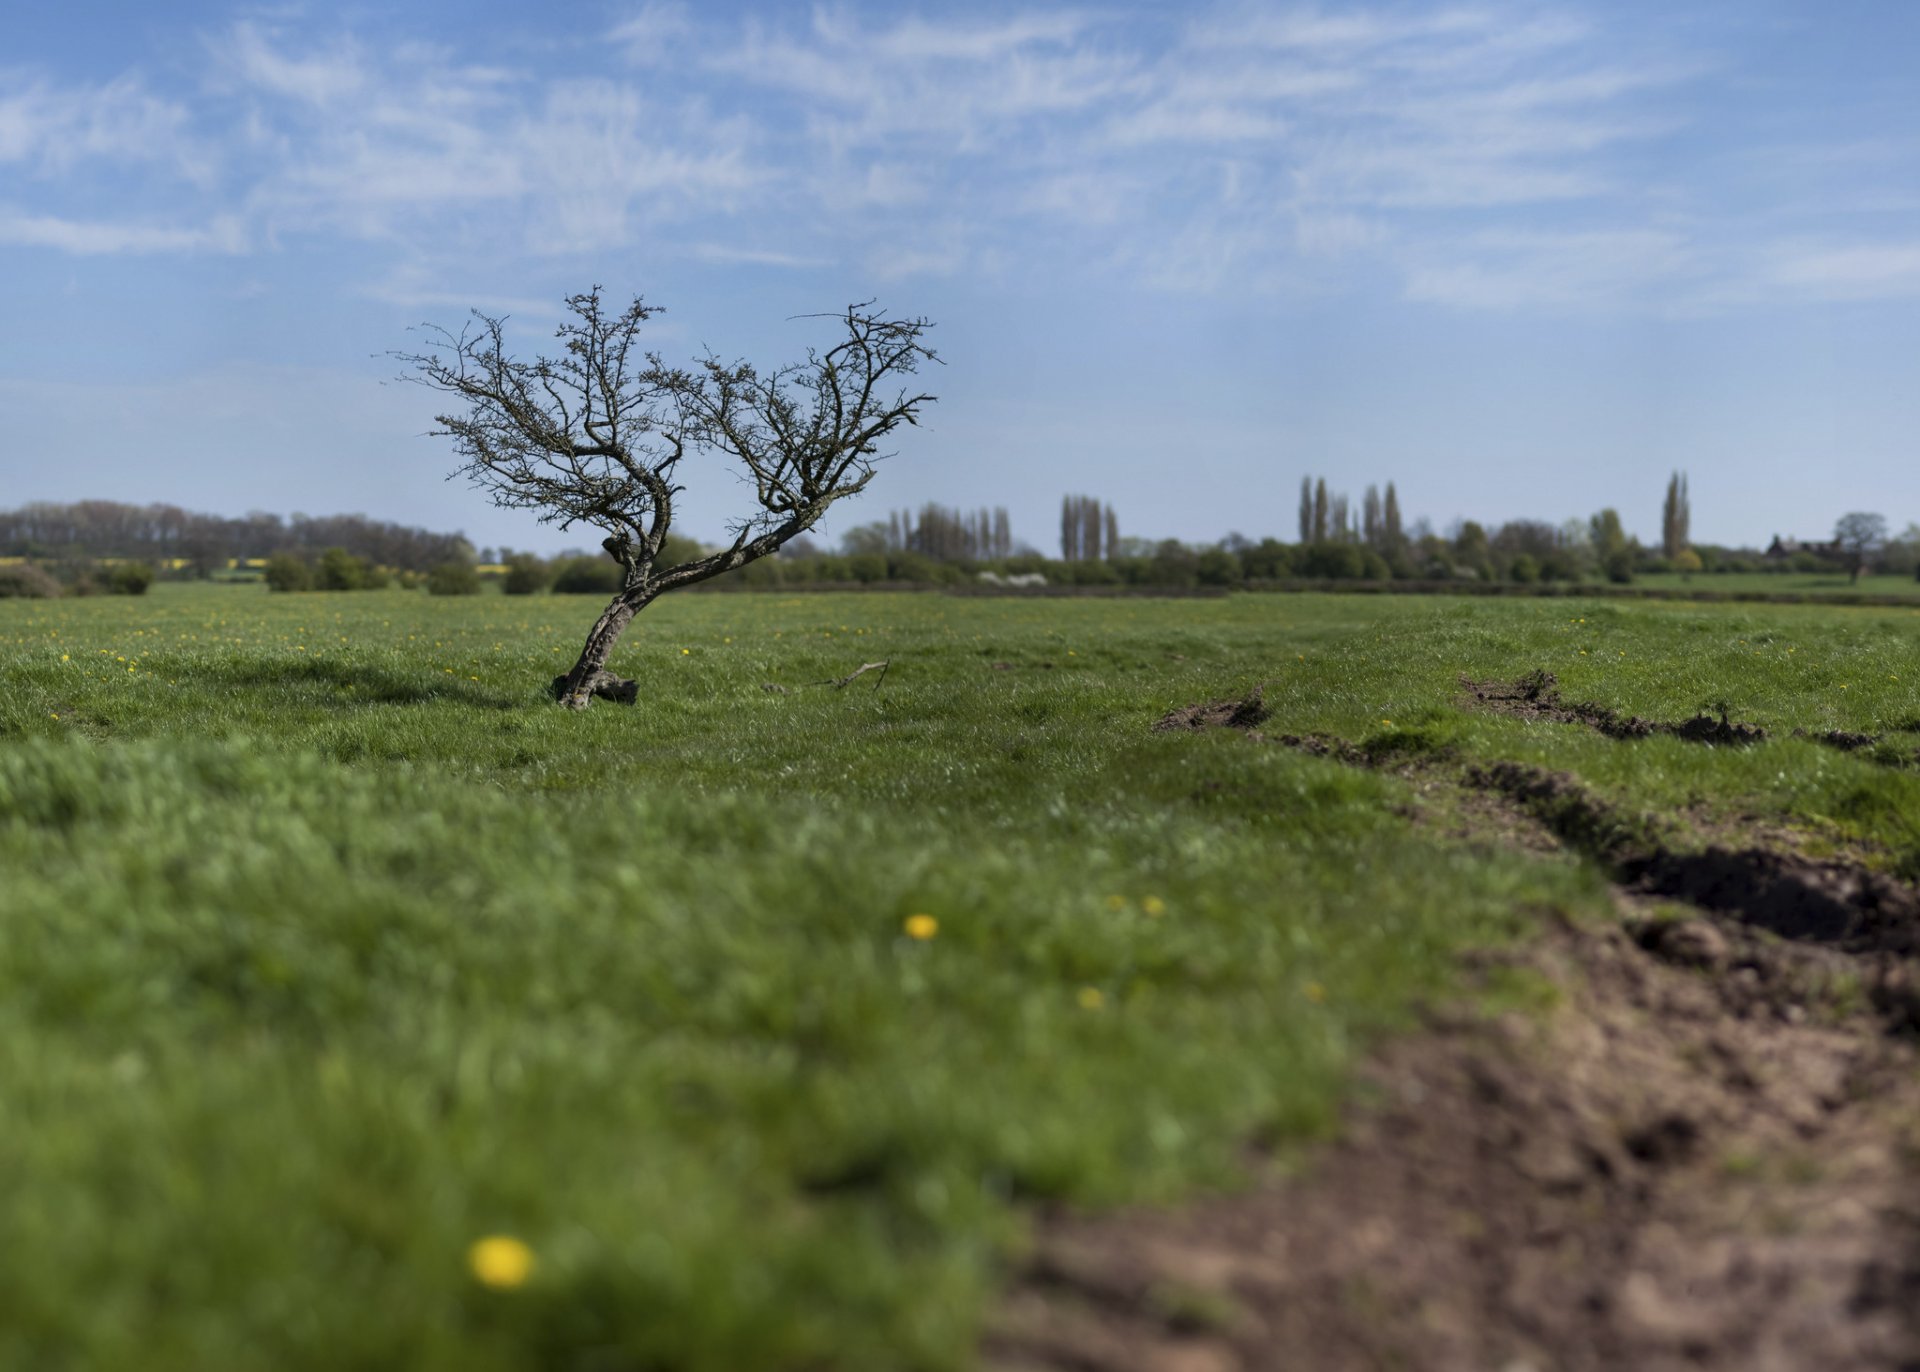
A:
{"x":1580,"y":270}
{"x":54,"y":128}
{"x":1861,"y":271}
{"x":1242,"y":152}
{"x":651,"y":33}
{"x":89,"y":238}
{"x":754,"y":257}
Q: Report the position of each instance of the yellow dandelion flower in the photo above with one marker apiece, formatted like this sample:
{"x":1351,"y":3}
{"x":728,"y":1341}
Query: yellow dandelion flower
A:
{"x":500,"y":1261}
{"x":1387,"y":722}
{"x":686,"y":652}
{"x":1316,"y":993}
{"x":1091,"y":998}
{"x":1116,"y":903}
{"x":922,"y":927}
{"x":63,"y":657}
{"x":1154,"y":906}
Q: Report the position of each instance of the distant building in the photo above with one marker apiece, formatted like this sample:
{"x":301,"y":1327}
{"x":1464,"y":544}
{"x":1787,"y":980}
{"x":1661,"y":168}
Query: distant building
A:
{"x":1783,"y":548}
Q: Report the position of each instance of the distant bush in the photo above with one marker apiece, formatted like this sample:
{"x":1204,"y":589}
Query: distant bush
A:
{"x":454,"y":578}
{"x":27,"y":582}
{"x":286,"y":572}
{"x":526,"y":575}
{"x":1173,"y":564}
{"x":1218,"y":567}
{"x":130,"y":578}
{"x":1090,"y":573}
{"x":911,"y":566}
{"x":1338,"y":561}
{"x":1523,"y":569}
{"x":868,"y":566}
{"x":586,"y":576}
{"x":340,"y":570}
{"x":1619,"y":567}
{"x":1559,"y":565}
{"x":1268,"y":560}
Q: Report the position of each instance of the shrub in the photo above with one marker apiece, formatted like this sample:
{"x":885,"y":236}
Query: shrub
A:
{"x":1523,"y":569}
{"x":130,"y":578}
{"x":1268,"y":560}
{"x":1091,"y":573}
{"x":868,"y":566}
{"x":27,"y":582}
{"x":911,"y":566}
{"x":454,"y":578}
{"x":1338,"y":561}
{"x":1559,"y":565}
{"x":286,"y":572}
{"x":526,"y":575}
{"x":1218,"y":567}
{"x":1619,"y":567}
{"x":340,"y":570}
{"x":1173,"y":564}
{"x":586,"y":576}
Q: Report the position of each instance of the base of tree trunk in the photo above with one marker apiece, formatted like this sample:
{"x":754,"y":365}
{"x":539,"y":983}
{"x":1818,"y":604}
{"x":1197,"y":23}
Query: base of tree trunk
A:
{"x":604,"y":684}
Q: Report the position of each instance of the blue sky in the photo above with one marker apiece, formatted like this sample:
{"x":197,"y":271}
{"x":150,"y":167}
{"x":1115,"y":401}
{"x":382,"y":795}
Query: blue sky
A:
{"x":1521,"y":259}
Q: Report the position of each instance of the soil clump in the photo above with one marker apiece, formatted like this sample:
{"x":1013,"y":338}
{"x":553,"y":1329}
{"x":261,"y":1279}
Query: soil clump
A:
{"x":1246,"y":714}
{"x":1536,"y":696}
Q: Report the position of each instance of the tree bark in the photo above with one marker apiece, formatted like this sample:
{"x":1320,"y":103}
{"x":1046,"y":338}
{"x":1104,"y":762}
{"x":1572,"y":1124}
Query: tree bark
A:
{"x":590,"y":677}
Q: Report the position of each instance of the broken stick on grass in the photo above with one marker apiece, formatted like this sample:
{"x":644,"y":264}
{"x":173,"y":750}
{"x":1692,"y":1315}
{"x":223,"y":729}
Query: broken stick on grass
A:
{"x":840,"y":682}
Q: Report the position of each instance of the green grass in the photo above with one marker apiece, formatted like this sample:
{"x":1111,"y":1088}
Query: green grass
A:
{"x":328,"y":946}
{"x":1785,"y":583}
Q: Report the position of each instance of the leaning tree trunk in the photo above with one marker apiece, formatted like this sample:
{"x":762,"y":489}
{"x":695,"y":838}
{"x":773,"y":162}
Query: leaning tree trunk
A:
{"x":590,"y":677}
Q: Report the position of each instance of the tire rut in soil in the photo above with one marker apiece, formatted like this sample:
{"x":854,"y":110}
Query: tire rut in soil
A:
{"x":1704,"y":1158}
{"x":1536,"y":696}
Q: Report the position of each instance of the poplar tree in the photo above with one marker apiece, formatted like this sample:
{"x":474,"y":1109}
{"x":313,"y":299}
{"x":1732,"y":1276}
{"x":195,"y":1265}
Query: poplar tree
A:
{"x":1676,"y":517}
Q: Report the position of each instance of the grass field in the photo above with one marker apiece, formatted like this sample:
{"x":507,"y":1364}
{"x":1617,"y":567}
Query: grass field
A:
{"x":1785,"y":583}
{"x":329,"y":947}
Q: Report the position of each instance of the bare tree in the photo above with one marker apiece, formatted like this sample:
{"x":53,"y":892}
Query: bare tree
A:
{"x":598,"y":434}
{"x":1858,"y":536}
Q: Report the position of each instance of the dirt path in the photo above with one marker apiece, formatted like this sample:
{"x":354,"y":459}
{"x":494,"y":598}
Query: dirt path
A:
{"x":1707,"y":1156}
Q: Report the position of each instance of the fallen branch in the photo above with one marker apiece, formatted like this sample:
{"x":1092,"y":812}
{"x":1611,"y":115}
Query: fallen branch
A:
{"x":838,"y":683}
{"x":863,"y":667}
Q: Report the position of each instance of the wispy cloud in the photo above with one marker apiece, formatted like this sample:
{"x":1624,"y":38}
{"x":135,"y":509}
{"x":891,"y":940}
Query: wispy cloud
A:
{"x":51,"y":128}
{"x":1857,"y":271}
{"x":89,"y":238}
{"x":1488,"y":155}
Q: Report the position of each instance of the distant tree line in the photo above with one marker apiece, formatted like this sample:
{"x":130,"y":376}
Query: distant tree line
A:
{"x":96,"y":530}
{"x":1338,"y":540}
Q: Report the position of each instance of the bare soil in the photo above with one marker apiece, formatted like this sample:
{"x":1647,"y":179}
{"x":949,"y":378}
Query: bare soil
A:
{"x":1247,"y":713}
{"x":1707,"y":1156}
{"x":1536,"y":696}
